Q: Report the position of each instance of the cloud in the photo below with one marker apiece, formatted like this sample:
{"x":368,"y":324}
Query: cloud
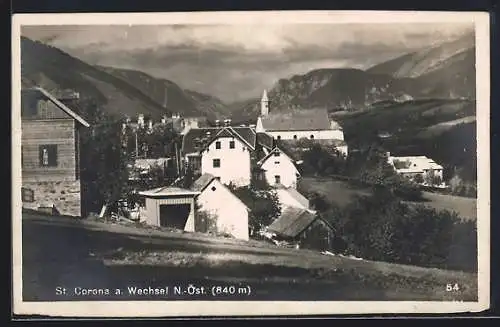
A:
{"x":237,"y":61}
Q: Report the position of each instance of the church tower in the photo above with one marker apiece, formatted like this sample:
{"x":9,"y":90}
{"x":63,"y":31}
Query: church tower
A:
{"x":264,"y":104}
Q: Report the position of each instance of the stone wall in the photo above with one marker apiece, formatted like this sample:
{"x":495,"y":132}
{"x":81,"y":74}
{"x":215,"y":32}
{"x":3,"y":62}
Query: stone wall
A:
{"x":64,"y":195}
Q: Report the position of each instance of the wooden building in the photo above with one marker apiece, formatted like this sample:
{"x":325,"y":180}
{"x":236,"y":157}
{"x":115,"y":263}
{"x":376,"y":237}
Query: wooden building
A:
{"x":50,"y":150}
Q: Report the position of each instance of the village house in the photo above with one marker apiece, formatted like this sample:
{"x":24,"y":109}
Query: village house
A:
{"x":293,"y":124}
{"x":420,"y":169}
{"x":225,"y":212}
{"x":50,"y":150}
{"x":224,"y":152}
{"x":279,"y":168}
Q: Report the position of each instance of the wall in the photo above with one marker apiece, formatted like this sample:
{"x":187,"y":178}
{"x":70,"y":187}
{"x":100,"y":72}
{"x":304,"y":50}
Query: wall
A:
{"x":235,"y":163}
{"x":318,"y":135}
{"x":40,"y":132}
{"x":65,"y":195}
{"x":230,"y":212}
{"x":285,"y":168}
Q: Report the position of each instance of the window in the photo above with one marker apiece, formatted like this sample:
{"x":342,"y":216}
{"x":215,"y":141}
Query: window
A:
{"x":295,"y":137}
{"x":48,"y":155}
{"x":279,"y":137}
{"x":312,"y":136}
{"x":213,"y":188}
{"x":277,"y":179}
{"x":231,"y":144}
{"x":276,"y":162}
{"x":216,"y":163}
{"x":27,"y":195}
{"x":217,"y":145}
{"x":276,"y":154}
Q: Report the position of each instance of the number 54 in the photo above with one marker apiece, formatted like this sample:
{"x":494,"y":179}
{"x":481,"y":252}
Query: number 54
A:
{"x":452,"y":287}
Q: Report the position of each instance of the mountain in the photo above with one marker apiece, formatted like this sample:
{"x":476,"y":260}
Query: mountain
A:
{"x":117,"y":91}
{"x":445,"y":71}
{"x":170,"y":94}
{"x":427,"y":60}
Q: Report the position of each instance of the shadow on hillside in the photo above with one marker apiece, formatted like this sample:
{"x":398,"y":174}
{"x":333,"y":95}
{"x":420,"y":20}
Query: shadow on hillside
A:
{"x":67,"y":257}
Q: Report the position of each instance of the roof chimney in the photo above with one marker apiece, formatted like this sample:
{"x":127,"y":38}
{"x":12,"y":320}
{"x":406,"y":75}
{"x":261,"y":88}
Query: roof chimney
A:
{"x":217,"y":123}
{"x":140,"y":120}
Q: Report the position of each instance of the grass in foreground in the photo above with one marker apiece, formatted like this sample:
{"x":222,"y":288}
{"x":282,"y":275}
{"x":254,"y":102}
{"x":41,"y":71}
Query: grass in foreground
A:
{"x":67,"y":253}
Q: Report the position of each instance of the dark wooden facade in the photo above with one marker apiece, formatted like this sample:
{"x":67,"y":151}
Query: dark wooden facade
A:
{"x":50,"y":141}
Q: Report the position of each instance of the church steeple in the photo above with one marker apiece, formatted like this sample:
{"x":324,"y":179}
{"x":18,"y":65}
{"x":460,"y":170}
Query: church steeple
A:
{"x":264,"y":104}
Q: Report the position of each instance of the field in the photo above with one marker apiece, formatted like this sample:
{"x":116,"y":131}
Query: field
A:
{"x":79,"y":254}
{"x":341,"y":193}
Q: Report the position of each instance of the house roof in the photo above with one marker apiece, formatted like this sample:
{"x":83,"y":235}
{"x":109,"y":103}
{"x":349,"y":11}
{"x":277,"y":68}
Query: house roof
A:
{"x":204,"y":180}
{"x":281,"y":150}
{"x":168,"y":190}
{"x":298,"y":120}
{"x":265,"y":140}
{"x":61,"y":106}
{"x":148,"y":163}
{"x":295,"y":195}
{"x":292,"y":221}
{"x":413,"y":164}
{"x":196,"y":139}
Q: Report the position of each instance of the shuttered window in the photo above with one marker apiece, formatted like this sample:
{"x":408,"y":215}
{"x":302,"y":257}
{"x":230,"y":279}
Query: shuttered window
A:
{"x":48,"y":155}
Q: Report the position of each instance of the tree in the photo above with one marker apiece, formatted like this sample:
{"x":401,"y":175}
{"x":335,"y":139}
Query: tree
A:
{"x":104,"y":163}
{"x":264,"y":205}
{"x":319,"y":161}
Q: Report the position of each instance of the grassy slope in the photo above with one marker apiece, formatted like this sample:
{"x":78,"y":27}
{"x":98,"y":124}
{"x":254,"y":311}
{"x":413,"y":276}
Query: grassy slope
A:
{"x":63,"y":252}
{"x":341,"y":193}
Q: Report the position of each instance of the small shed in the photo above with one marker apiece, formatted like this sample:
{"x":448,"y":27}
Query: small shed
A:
{"x":302,"y":226}
{"x":171,"y":207}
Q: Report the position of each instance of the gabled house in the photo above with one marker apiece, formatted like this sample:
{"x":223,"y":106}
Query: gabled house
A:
{"x":420,"y":169}
{"x":50,"y":150}
{"x":224,"y":152}
{"x":279,"y":168}
{"x":224,"y":212}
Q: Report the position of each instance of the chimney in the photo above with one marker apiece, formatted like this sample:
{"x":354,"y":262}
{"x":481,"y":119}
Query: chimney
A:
{"x":217,"y":123}
{"x":164,"y":119}
{"x":140,"y":120}
{"x":227,"y":122}
{"x":388,"y":154}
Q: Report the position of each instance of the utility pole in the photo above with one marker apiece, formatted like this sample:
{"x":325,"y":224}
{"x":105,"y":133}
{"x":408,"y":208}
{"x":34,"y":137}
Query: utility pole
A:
{"x":177,"y":161}
{"x":136,"y":146}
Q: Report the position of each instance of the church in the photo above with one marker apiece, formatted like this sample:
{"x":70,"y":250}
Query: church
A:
{"x":293,"y":124}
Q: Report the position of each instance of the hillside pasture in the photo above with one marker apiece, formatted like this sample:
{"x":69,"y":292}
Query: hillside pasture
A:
{"x":341,"y":193}
{"x":103,"y":255}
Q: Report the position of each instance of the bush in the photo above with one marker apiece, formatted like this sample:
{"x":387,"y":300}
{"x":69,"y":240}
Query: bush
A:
{"x":381,"y":227}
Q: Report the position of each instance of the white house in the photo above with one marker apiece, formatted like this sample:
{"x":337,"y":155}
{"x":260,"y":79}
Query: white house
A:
{"x":411,"y":166}
{"x":296,"y":124}
{"x":227,"y":156}
{"x":229,"y":212}
{"x":279,"y":168}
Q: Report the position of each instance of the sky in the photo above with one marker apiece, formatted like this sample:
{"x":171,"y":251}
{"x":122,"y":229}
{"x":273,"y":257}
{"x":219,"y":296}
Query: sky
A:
{"x":236,"y":62}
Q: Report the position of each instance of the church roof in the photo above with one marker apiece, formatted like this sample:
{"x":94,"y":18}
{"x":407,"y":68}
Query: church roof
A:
{"x":297,"y":120}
